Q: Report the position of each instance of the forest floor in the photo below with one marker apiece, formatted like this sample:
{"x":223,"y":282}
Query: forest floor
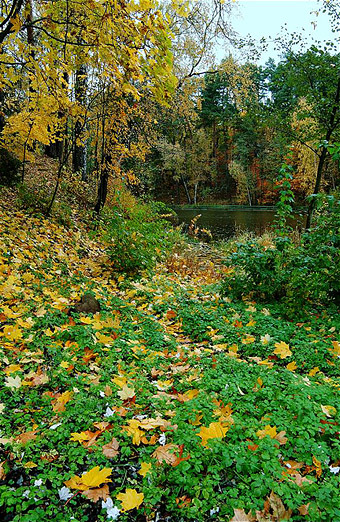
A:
{"x":170,"y":404}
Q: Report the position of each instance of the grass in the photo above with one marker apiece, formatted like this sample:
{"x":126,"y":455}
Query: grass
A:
{"x":177,"y":403}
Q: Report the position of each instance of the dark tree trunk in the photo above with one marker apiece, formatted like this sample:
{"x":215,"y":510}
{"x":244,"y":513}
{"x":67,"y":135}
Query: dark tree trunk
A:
{"x":322,"y":157}
{"x":102,"y":187}
{"x":79,"y":150}
{"x":56,"y":149}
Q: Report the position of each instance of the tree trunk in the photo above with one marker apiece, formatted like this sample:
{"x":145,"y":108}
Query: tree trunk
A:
{"x":79,"y":154}
{"x":323,"y":155}
{"x":102,"y":187}
{"x":56,"y":149}
{"x":186,"y":189}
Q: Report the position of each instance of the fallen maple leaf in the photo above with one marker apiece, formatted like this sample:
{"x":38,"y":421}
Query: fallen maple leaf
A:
{"x":130,"y":499}
{"x":329,"y":411}
{"x":97,"y":493}
{"x":133,"y":430}
{"x":280,"y":437}
{"x":282,"y":350}
{"x":241,"y":516}
{"x":13,"y":382}
{"x":277,"y":506}
{"x":144,"y":468}
{"x":63,"y":399}
{"x":303,"y":510}
{"x":268,"y":430}
{"x":291,"y":366}
{"x":126,"y":393}
{"x":215,"y":430}
{"x":163,"y":454}
{"x":110,"y":450}
{"x":23,"y":438}
{"x":91,"y":479}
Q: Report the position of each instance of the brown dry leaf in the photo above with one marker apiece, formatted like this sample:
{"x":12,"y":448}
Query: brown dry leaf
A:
{"x":98,"y":493}
{"x":25,"y":437}
{"x":280,"y":437}
{"x":2,"y":470}
{"x":108,"y":391}
{"x":162,"y":454}
{"x":103,"y":426}
{"x":241,"y":516}
{"x":111,"y":449}
{"x":303,"y":510}
{"x":279,"y":511}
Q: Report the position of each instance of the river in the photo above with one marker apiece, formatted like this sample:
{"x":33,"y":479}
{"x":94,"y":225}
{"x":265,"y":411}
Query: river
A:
{"x":226,"y":221}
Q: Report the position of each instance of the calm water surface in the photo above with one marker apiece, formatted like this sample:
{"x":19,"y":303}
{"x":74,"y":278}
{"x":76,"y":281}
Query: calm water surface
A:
{"x":224,"y":223}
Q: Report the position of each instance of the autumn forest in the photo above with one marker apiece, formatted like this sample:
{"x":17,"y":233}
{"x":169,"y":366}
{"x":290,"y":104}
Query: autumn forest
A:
{"x":149,"y":372}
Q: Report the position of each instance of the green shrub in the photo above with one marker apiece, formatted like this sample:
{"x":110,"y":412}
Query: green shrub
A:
{"x":32,"y":199}
{"x":9,"y":168}
{"x":308,"y":272}
{"x":139,"y":237}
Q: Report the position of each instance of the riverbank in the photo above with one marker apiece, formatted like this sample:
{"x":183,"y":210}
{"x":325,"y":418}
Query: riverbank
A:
{"x":170,"y":403}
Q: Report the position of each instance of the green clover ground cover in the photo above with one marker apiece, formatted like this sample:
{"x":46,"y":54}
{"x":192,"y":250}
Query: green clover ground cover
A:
{"x":172,"y":403}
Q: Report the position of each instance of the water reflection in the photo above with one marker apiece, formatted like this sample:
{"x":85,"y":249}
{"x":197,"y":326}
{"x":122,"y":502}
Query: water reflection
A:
{"x":225,"y":223}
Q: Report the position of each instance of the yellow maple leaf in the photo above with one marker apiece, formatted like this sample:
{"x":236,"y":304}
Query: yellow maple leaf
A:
{"x":336,"y":348}
{"x":329,"y":411}
{"x":130,"y":499}
{"x":80,"y":437}
{"x":12,"y":368}
{"x":269,"y":431}
{"x":12,"y":332}
{"x":75,"y":482}
{"x":248,"y":340}
{"x":104,"y":339}
{"x":95,"y":477}
{"x":291,"y":366}
{"x":133,"y":430}
{"x":144,"y":468}
{"x":314,"y":371}
{"x":126,"y":393}
{"x":282,"y":350}
{"x":215,"y":430}
{"x":91,"y":479}
{"x":86,"y":320}
{"x":62,"y":400}
{"x":120,"y":381}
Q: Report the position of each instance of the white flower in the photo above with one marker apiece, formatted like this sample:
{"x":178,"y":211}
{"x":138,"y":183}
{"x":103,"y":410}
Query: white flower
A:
{"x":162,"y":439}
{"x":111,"y":510}
{"x":113,"y":513}
{"x":64,"y":493}
{"x":108,"y":412}
{"x":108,"y":504}
{"x":334,"y":469}
{"x":55,"y":426}
{"x":37,"y":482}
{"x":213,"y":511}
{"x":102,"y":394}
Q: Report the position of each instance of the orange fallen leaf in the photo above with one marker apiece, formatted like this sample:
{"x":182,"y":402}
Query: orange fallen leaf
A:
{"x":215,"y":430}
